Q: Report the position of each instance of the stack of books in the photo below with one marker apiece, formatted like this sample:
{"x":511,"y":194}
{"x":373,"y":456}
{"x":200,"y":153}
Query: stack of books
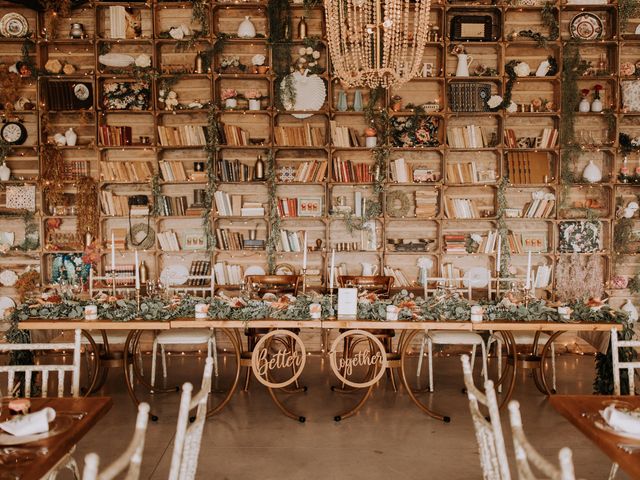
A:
{"x":228,"y":274}
{"x":234,"y":171}
{"x":75,"y":169}
{"x":455,"y":243}
{"x":233,"y":240}
{"x":460,"y":208}
{"x":489,"y":242}
{"x":306,"y":136}
{"x":470,"y":136}
{"x":126,"y":171}
{"x":199,"y":268}
{"x":538,"y":208}
{"x":173,"y":171}
{"x":399,"y":278}
{"x":118,"y":205}
{"x":119,"y":238}
{"x":310,"y":172}
{"x":182,"y":136}
{"x":223,"y":203}
{"x":346,"y":171}
{"x":401,"y":171}
{"x":110,"y":136}
{"x":344,"y":136}
{"x":426,"y":203}
{"x":172,"y":206}
{"x":169,"y":241}
{"x":252,"y":209}
{"x":287,"y":207}
{"x":235,"y":136}
{"x":468,"y":173}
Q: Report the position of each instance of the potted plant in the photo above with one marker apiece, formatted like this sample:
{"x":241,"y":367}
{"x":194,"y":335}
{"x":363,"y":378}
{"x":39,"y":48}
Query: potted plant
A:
{"x":254,"y":96}
{"x":230,"y":97}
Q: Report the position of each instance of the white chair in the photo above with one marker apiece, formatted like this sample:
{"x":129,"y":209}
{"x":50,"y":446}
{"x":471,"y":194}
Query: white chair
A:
{"x":451,"y":337}
{"x":186,"y":448}
{"x":528,"y":457}
{"x":67,"y":461}
{"x":130,"y":460}
{"x":524,"y":338}
{"x":493,"y":453}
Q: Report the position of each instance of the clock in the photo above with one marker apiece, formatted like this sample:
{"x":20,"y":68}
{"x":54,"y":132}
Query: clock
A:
{"x":13,"y":133}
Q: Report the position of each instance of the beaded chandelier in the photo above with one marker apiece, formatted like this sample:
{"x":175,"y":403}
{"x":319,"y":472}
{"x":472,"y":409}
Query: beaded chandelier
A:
{"x":377,"y":42}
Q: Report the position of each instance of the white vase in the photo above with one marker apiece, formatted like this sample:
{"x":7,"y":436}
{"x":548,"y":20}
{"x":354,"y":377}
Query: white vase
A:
{"x":371,"y":142}
{"x":254,"y":104}
{"x":71,"y":136}
{"x":592,"y":173}
{"x":5,"y":172}
{"x":231,"y":103}
{"x":596,"y":105}
{"x":246,"y":29}
{"x":631,"y":309}
{"x":464,"y":60}
{"x":584,"y":106}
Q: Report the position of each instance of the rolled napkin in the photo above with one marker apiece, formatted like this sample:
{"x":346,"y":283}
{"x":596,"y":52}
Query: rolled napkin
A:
{"x":620,"y":420}
{"x":37,"y":422}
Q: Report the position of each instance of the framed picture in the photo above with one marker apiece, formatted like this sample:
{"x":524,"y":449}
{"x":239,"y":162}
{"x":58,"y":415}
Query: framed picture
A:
{"x":579,"y":236}
{"x":310,"y":206}
{"x":535,"y":242}
{"x":477,"y":28}
{"x":427,"y":69}
{"x":194,"y":240}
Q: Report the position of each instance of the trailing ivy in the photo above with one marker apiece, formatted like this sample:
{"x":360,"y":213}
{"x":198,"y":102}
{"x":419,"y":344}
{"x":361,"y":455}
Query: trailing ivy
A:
{"x":503,"y":230}
{"x":279,"y":18}
{"x":274,"y":216}
{"x":212,"y":148}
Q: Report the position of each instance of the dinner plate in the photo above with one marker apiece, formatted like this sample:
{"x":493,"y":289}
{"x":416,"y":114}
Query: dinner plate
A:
{"x":586,"y":26}
{"x":14,"y":25}
{"x":174,"y":275}
{"x":8,"y":278}
{"x":477,"y":277}
{"x":59,"y":425}
{"x":6,"y":303}
{"x":602,"y":425}
{"x":254,"y":270}
{"x":311,"y":93}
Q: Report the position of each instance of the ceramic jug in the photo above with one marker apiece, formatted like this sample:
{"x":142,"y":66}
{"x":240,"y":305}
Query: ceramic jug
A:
{"x":246,"y":29}
{"x":631,"y":309}
{"x":5,"y":172}
{"x":584,"y":106}
{"x":71,"y":136}
{"x":369,"y":269}
{"x":464,"y":61}
{"x":592,"y":173}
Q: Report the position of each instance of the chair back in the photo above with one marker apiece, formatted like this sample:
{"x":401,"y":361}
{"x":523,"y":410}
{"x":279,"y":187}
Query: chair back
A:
{"x":186,"y":449}
{"x":277,"y":284}
{"x":379,"y":284}
{"x":493,"y":453}
{"x":528,"y":457}
{"x":129,"y":460}
{"x":44,"y":369}
{"x":626,"y":363}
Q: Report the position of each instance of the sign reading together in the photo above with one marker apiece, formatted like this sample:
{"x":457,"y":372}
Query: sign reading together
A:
{"x":373,"y":359}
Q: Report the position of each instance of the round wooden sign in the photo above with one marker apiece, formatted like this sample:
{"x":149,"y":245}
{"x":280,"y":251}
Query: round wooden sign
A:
{"x":343,"y":368}
{"x":292,"y":357}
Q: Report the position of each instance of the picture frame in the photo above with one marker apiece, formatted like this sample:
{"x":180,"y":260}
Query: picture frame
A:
{"x":194,"y":240}
{"x":310,"y":206}
{"x":478,"y":28}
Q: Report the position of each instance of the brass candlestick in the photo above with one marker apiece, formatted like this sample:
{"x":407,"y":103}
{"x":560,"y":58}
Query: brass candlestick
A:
{"x":304,"y":280}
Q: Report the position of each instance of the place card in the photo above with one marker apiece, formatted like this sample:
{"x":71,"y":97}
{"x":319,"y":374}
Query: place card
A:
{"x":347,"y":302}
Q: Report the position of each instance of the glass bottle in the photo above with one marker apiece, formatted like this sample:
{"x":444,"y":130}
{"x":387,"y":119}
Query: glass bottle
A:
{"x":199,"y":64}
{"x":302,"y":28}
{"x":144,"y":273}
{"x":259,"y":169}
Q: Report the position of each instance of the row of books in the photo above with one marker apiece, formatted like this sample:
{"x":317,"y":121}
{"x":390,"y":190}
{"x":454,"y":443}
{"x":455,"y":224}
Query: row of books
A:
{"x":538,"y":208}
{"x":233,"y":205}
{"x":228,"y":274}
{"x":460,"y":208}
{"x":234,"y":171}
{"x":426,"y":203}
{"x":343,"y":136}
{"x":291,"y":241}
{"x":403,"y":172}
{"x":399,"y":278}
{"x":468,"y":173}
{"x":182,"y":135}
{"x":112,"y":136}
{"x":310,"y":172}
{"x":287,"y":207}
{"x":305,"y":135}
{"x":199,"y":268}
{"x":235,"y":136}
{"x":346,"y":171}
{"x":169,"y":241}
{"x":173,"y":206}
{"x":118,"y":205}
{"x":547,"y":139}
{"x":469,"y":136}
{"x":126,"y":171}
{"x":228,"y":239}
{"x":75,"y":169}
{"x":173,"y":171}
{"x":528,"y":167}
{"x":542,"y":276}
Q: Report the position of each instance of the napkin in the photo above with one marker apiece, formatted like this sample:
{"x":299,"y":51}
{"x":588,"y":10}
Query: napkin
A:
{"x":620,"y":420}
{"x":37,"y":422}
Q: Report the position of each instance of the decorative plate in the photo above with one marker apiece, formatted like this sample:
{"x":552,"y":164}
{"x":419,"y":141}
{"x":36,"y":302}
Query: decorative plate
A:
{"x":6,"y":303}
{"x":477,"y":277}
{"x":586,"y":26}
{"x":58,"y":425}
{"x":310,"y":93}
{"x":174,"y":275}
{"x":8,"y":278}
{"x":14,"y":25}
{"x":285,"y":269}
{"x":116,"y":60}
{"x":254,"y":270}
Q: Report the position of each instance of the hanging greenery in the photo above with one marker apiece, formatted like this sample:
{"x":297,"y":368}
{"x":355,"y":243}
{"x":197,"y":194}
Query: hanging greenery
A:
{"x":623,"y":236}
{"x":5,"y":150}
{"x":627,"y":9}
{"x":279,"y":18}
{"x":31,"y":233}
{"x":156,"y":194}
{"x":52,"y":176}
{"x":503,"y":230}
{"x":211,"y":147}
{"x":549,"y":20}
{"x":274,"y":217}
{"x":86,"y":200}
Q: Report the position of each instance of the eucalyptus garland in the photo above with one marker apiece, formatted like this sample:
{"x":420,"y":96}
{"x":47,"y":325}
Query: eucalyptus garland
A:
{"x":5,"y":150}
{"x":274,"y":217}
{"x":156,"y":194}
{"x":503,"y":230}
{"x":212,"y":148}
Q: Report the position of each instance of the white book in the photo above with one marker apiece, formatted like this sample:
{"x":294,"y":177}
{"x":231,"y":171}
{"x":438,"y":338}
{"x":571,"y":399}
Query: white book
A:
{"x":401,"y":170}
{"x":284,"y":241}
{"x":358,"y":203}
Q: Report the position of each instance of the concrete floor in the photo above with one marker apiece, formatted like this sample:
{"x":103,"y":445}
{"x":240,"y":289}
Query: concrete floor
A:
{"x":389,"y":438}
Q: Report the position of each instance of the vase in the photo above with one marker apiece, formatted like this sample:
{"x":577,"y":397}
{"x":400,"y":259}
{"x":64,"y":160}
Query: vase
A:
{"x":596,"y":105}
{"x":246,"y":29}
{"x":231,"y":103}
{"x":584,"y":106}
{"x":5,"y":172}
{"x":357,"y":101}
{"x":631,"y":310}
{"x":71,"y":136}
{"x":254,"y":104}
{"x":592,"y":173}
{"x":464,"y":60}
{"x":371,"y":142}
{"x":342,"y":101}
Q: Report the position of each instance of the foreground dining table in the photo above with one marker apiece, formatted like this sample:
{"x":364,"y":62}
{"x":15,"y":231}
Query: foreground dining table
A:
{"x":583,"y":411}
{"x":32,"y":461}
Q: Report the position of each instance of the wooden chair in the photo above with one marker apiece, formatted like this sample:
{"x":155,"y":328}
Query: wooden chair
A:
{"x":493,"y":453}
{"x":128,"y":461}
{"x":528,"y":457}
{"x":258,"y":285}
{"x":381,"y":286}
{"x":186,"y":447}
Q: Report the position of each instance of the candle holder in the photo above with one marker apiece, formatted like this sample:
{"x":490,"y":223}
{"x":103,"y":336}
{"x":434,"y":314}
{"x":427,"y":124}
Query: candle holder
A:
{"x":304,"y":280}
{"x":113,"y":283}
{"x":138,"y":300}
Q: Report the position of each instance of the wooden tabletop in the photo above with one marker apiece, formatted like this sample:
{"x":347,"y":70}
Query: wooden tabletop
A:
{"x":94,"y":409}
{"x":574,"y":408}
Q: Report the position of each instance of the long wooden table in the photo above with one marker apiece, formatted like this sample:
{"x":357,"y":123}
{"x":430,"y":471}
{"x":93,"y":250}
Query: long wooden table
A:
{"x":40,"y":461}
{"x":409,"y":331}
{"x":583,"y":410}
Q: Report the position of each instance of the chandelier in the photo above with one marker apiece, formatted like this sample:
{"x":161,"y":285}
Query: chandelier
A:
{"x":377,"y":42}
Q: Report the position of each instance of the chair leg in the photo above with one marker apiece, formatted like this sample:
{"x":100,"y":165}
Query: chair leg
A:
{"x":499,"y":348}
{"x":163,"y":355}
{"x":213,"y":352}
{"x":613,"y":471}
{"x":473,"y":356}
{"x":393,"y":380}
{"x":485,"y":369}
{"x":247,"y":379}
{"x":553,"y":367}
{"x":140,"y":365}
{"x":424,"y":343}
{"x":430,"y":358}
{"x":154,"y":357}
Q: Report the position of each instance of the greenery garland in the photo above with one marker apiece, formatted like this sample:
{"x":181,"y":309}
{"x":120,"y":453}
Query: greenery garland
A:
{"x":626,"y":9}
{"x":503,"y":230}
{"x":212,"y":148}
{"x":156,"y":194}
{"x":279,"y":18}
{"x":88,"y":215}
{"x":274,"y":216}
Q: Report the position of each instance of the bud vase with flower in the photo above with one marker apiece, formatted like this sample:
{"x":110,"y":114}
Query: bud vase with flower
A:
{"x":596,"y":104}
{"x":584,"y":106}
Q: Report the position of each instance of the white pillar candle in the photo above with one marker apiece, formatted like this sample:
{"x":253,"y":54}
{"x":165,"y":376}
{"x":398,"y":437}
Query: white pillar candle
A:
{"x":137,"y":270}
{"x":113,"y":252}
{"x":528,"y":284}
{"x":498,"y":256}
{"x":333,"y":264}
{"x":304,"y":252}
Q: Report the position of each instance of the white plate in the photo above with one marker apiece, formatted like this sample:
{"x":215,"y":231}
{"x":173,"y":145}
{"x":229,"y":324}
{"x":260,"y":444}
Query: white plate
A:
{"x":586,"y":26}
{"x":174,"y":275}
{"x":310,"y":94}
{"x":59,"y":425}
{"x":8,"y":278}
{"x":5,"y":304}
{"x":254,"y":270}
{"x":116,"y":59}
{"x":602,"y":425}
{"x":14,"y":25}
{"x":477,"y":277}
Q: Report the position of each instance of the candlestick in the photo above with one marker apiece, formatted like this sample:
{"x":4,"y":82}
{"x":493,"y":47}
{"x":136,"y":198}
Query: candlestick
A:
{"x":528,"y":284}
{"x":304,"y":252}
{"x":137,"y":271}
{"x":113,"y":252}
{"x":498,"y":256}
{"x":304,"y":280}
{"x":333,"y":264}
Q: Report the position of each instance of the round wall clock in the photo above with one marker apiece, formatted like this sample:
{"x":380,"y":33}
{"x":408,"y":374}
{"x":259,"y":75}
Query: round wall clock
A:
{"x":13,"y":133}
{"x":586,"y":26}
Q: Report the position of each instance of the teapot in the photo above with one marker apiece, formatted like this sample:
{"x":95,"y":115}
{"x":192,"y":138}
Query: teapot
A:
{"x":369,"y":269}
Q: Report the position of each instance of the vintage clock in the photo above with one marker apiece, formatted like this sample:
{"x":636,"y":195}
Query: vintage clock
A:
{"x":13,"y":133}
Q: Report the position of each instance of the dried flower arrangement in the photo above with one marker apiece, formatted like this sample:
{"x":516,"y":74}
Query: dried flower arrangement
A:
{"x":577,"y":277}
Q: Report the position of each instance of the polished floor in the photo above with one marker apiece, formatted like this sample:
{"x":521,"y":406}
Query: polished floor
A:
{"x":389,"y":438}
